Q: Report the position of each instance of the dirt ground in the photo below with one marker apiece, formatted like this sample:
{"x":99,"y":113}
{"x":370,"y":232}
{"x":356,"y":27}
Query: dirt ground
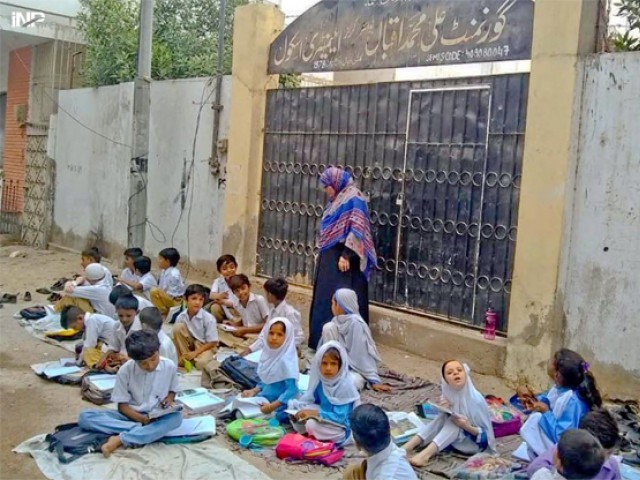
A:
{"x":30,"y":405}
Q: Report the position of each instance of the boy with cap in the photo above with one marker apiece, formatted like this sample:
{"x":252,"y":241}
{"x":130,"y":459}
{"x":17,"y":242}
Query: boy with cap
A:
{"x":91,"y":296}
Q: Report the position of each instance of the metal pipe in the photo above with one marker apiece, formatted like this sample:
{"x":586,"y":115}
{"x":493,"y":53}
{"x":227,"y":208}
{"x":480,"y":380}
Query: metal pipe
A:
{"x":214,"y":162}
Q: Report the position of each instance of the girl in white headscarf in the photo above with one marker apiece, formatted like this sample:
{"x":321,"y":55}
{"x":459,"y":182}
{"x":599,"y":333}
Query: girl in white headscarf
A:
{"x":277,"y":368}
{"x":326,"y":406}
{"x":349,"y":329}
{"x":468,"y":429}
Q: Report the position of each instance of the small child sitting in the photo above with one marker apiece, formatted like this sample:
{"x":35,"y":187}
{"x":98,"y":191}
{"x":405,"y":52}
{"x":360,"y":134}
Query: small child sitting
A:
{"x":128,"y":274}
{"x":151,"y":319}
{"x":601,"y":424}
{"x":98,"y":333}
{"x":171,"y":287}
{"x":143,"y":384}
{"x":468,"y":430}
{"x":575,"y":393}
{"x":92,"y":255}
{"x":277,"y":369}
{"x":144,"y":279}
{"x":253,"y":308}
{"x":579,"y":456}
{"x":124,"y":291}
{"x":195,"y":333}
{"x":326,"y":406}
{"x":372,"y":433}
{"x":223,"y":299}
{"x":349,"y":329}
{"x":127,"y":309}
{"x":91,"y":296}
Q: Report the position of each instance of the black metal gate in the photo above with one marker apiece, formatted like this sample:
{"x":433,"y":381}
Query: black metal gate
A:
{"x":441,"y":163}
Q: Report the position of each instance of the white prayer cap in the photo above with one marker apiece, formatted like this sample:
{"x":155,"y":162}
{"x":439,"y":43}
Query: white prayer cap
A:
{"x":94,"y":272}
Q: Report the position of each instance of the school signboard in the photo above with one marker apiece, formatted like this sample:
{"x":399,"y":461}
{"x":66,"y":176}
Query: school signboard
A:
{"x":336,"y":35}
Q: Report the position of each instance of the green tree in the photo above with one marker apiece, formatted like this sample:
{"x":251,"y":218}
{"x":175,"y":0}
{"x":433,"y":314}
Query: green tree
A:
{"x":185,"y":39}
{"x":629,"y":40}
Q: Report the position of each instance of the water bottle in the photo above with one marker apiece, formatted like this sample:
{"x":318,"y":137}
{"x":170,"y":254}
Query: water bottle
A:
{"x":490,"y":323}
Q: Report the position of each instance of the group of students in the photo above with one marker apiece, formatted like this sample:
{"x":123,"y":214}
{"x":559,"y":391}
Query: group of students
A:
{"x":566,"y":419}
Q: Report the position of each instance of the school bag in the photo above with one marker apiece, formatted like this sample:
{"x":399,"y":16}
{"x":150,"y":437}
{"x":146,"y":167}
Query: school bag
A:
{"x":92,"y":394}
{"x":294,"y":446}
{"x":505,"y":419}
{"x":485,"y":466}
{"x":241,"y":371}
{"x":255,"y":431}
{"x":70,"y":442}
{"x":64,"y":335}
{"x":33,"y":313}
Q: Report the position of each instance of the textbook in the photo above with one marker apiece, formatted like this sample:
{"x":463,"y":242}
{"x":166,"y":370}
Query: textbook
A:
{"x":247,"y":407}
{"x":440,"y":408}
{"x":404,"y":426}
{"x":198,"y":400}
{"x":162,"y":411}
{"x":103,"y":382}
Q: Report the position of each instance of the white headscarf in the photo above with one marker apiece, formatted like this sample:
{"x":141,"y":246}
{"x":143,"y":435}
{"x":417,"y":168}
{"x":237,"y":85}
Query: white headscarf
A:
{"x":278,"y":364}
{"x":470,"y":403}
{"x":340,"y":389}
{"x":356,"y":336}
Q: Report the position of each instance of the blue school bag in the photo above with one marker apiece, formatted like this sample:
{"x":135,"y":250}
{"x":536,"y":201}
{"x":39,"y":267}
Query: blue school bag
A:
{"x":70,"y":442}
{"x":241,"y":371}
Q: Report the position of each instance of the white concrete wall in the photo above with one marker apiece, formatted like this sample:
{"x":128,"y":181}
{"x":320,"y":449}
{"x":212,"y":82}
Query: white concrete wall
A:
{"x":92,"y":173}
{"x":198,"y":227}
{"x":602,"y":259}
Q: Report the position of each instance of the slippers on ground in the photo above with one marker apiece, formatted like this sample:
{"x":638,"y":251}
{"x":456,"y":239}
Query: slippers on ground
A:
{"x":54,"y":297}
{"x":9,"y":298}
{"x":59,"y":285}
{"x":44,"y":291}
{"x":27,"y":296}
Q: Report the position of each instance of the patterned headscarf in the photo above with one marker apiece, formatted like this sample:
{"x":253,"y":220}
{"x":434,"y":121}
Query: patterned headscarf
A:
{"x":346,"y":219}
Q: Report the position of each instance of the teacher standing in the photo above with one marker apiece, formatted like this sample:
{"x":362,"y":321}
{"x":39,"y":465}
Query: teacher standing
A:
{"x":347,"y":254}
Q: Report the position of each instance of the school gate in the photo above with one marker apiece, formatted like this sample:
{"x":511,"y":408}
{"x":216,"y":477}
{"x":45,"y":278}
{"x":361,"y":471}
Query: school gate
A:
{"x":440,"y":162}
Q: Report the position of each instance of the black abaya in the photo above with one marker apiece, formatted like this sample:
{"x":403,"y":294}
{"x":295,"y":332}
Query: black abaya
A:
{"x":328,"y":280}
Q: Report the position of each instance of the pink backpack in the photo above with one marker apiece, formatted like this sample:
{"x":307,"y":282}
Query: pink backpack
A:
{"x":294,"y":446}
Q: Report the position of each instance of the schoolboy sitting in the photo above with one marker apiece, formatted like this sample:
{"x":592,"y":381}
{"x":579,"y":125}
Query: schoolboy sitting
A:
{"x":124,"y":291}
{"x":223,"y":299}
{"x":144,"y":279}
{"x":253,"y":308}
{"x":601,"y":424}
{"x":98,"y":332}
{"x":127,"y":309}
{"x":94,"y":296}
{"x":128,"y":274}
{"x":170,"y":288}
{"x":143,"y":384}
{"x":151,"y":319}
{"x":195,"y":333}
{"x":579,"y":456}
{"x":372,"y":433}
{"x":92,"y":255}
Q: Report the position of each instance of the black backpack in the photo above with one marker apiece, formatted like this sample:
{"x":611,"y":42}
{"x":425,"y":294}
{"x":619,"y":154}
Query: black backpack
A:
{"x":70,"y":442}
{"x":241,"y":371}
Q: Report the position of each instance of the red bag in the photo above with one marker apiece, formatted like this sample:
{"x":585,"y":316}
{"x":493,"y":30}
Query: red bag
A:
{"x":294,"y":446}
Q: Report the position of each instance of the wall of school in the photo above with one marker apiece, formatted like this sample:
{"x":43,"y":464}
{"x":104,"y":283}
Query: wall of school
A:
{"x":91,"y":153}
{"x":185,"y":201}
{"x":601,"y":267}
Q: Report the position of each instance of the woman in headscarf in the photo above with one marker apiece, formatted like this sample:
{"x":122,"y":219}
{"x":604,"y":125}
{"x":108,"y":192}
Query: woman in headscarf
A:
{"x":325,"y":408}
{"x":347,"y":254}
{"x":348,"y":328}
{"x":466,"y":425}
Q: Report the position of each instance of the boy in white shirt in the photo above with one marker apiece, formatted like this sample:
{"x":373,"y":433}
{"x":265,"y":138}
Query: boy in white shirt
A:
{"x":151,"y":319}
{"x":223,"y":299}
{"x":144,"y":279}
{"x":372,"y":433}
{"x":128,"y":274}
{"x":143,"y":384}
{"x":98,"y":331}
{"x":92,"y":255}
{"x":170,"y":288}
{"x":253,"y":308}
{"x":127,"y":308}
{"x":195,"y":333}
{"x":93,"y":296}
{"x":276,"y":291}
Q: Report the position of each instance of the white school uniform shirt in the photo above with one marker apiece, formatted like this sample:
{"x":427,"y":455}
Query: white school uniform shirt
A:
{"x":171,"y":282}
{"x":98,"y":327}
{"x":148,"y":281}
{"x":256,"y":311}
{"x":108,"y":277}
{"x":141,"y":390}
{"x":98,"y":295}
{"x":390,"y":463}
{"x":143,"y":302}
{"x":128,"y":276}
{"x":167,"y":347}
{"x":120,"y":335}
{"x":202,"y":326}
{"x":287,"y":311}
{"x":220,"y":285}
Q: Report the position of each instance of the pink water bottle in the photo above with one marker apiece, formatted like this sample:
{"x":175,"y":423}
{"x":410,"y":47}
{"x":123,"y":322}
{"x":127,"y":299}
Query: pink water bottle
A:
{"x":490,"y":322}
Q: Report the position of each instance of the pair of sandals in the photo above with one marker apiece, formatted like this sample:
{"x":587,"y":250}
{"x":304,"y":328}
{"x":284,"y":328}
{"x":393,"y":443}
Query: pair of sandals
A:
{"x":9,"y":298}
